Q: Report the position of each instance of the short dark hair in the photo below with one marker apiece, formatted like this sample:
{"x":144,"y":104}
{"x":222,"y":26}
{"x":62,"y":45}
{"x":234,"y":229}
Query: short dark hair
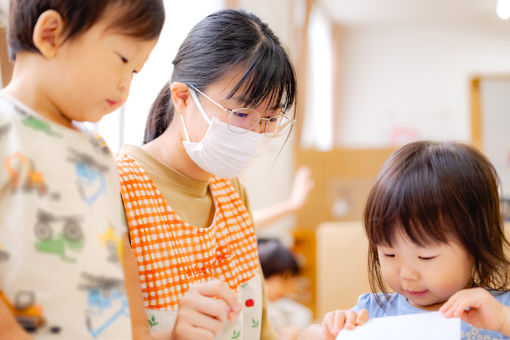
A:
{"x":434,"y":192}
{"x":141,"y":19}
{"x":217,"y":44}
{"x":276,"y":259}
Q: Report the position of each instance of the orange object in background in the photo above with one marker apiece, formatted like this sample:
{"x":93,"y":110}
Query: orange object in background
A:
{"x":27,"y":313}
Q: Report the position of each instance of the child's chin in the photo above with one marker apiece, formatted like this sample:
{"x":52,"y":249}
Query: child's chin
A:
{"x":96,"y":117}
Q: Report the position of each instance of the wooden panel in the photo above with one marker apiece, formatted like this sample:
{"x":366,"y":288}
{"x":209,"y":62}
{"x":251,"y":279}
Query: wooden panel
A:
{"x":305,"y":251}
{"x":5,"y":64}
{"x":343,"y":178}
{"x":476,"y":113}
{"x":341,"y":266}
{"x":231,"y":4}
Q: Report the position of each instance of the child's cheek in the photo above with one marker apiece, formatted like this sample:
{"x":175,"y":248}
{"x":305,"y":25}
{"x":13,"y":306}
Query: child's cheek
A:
{"x":390,"y":275}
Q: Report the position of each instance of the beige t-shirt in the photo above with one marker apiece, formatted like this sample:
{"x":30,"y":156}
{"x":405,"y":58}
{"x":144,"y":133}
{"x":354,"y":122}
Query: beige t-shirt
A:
{"x":192,"y":200}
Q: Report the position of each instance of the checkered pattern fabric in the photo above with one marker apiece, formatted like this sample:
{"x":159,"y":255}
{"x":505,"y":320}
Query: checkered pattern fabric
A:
{"x":173,"y":255}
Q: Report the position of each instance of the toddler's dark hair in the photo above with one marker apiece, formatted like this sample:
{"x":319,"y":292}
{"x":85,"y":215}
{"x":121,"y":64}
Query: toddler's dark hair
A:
{"x":435,"y":192}
{"x":276,"y":259}
{"x":141,"y":19}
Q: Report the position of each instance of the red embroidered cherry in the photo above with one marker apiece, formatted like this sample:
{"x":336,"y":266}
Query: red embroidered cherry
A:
{"x":249,"y":303}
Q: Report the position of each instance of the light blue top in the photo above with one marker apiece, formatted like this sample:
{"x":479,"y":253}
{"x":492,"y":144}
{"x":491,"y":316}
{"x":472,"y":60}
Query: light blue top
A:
{"x":398,"y":305}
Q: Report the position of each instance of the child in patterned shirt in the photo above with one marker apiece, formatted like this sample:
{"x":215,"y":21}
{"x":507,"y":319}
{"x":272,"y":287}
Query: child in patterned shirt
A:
{"x":61,"y":217}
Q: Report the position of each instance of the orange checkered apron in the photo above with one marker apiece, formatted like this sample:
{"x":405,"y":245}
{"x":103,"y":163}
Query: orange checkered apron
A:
{"x":173,"y":255}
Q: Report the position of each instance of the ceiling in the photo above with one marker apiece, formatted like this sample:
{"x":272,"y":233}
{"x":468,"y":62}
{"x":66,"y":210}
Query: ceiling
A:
{"x":405,"y":12}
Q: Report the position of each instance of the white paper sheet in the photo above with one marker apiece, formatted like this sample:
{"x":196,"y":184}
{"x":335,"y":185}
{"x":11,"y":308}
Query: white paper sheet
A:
{"x":421,"y":326}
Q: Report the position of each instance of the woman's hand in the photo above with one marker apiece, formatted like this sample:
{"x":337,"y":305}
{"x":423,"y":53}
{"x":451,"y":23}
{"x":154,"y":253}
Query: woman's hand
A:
{"x":204,"y":310}
{"x":479,"y":308}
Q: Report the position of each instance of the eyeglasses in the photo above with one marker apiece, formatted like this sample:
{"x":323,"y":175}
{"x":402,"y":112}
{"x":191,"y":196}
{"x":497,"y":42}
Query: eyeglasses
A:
{"x":244,"y":119}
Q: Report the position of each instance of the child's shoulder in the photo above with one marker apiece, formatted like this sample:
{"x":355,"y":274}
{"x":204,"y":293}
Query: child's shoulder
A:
{"x":8,"y":114}
{"x":6,"y":108}
{"x":375,"y":301}
{"x":11,"y":109}
{"x":380,"y":304}
{"x":502,"y":296}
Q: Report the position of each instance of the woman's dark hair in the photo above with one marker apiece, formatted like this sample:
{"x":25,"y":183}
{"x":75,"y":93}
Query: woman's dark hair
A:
{"x":275,"y":259}
{"x":222,"y":40}
{"x":142,"y":19}
{"x":435,"y":192}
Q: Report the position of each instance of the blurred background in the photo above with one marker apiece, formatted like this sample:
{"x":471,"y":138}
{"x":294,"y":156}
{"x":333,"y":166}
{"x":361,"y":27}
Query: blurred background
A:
{"x":372,"y":75}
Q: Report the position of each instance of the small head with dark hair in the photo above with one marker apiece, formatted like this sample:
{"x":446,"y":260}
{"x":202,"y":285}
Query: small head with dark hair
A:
{"x":142,"y":19}
{"x":240,"y":55}
{"x":279,"y":267}
{"x":79,"y":56}
{"x":434,"y":225}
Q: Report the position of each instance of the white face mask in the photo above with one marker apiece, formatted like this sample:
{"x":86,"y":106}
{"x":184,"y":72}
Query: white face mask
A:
{"x":222,"y":152}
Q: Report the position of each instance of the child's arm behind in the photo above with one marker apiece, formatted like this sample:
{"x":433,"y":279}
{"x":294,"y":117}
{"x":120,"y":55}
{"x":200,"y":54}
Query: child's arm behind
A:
{"x":9,"y":327}
{"x":479,"y":308}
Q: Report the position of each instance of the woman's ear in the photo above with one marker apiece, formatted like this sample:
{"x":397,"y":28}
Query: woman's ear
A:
{"x":48,"y":33}
{"x":180,"y":95}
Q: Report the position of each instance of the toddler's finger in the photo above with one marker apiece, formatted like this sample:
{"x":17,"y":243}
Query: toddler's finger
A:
{"x":350,"y":319}
{"x":362,"y":317}
{"x":328,"y":323}
{"x":339,"y":321}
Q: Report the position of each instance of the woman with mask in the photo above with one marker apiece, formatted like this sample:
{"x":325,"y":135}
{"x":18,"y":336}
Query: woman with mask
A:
{"x":191,"y":230}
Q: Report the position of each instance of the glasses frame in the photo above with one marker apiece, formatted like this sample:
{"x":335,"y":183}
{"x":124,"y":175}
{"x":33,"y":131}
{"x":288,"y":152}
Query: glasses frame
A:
{"x":260,"y":119}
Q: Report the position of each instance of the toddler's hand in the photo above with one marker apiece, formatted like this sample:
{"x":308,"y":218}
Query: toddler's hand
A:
{"x":335,"y":321}
{"x":479,"y":308}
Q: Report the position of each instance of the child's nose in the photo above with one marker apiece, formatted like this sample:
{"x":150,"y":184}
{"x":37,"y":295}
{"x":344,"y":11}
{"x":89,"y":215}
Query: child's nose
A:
{"x":409,"y":273}
{"x":125,"y":82}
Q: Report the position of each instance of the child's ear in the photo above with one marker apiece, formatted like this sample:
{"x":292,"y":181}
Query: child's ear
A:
{"x":180,"y":95}
{"x":49,"y":33}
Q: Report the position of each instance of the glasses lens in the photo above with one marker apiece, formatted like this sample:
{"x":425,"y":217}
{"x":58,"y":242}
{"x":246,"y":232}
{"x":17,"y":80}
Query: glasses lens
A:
{"x":244,"y":119}
{"x":277,"y":125}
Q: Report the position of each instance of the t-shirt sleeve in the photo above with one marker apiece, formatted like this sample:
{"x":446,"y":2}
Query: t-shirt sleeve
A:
{"x":502,"y":297}
{"x":5,"y":127}
{"x":365,"y":301}
{"x":241,"y":190}
{"x":5,"y":131}
{"x":370,"y":302}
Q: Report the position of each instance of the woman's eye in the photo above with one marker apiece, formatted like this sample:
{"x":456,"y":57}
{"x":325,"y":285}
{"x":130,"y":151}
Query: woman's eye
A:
{"x":124,"y":60}
{"x":389,"y":255}
{"x":240,"y":114}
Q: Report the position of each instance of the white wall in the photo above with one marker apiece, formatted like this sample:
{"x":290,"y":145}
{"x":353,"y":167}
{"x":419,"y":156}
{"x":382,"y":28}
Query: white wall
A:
{"x":4,"y":10}
{"x":180,"y":18}
{"x":269,"y":180}
{"x":414,"y":78}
